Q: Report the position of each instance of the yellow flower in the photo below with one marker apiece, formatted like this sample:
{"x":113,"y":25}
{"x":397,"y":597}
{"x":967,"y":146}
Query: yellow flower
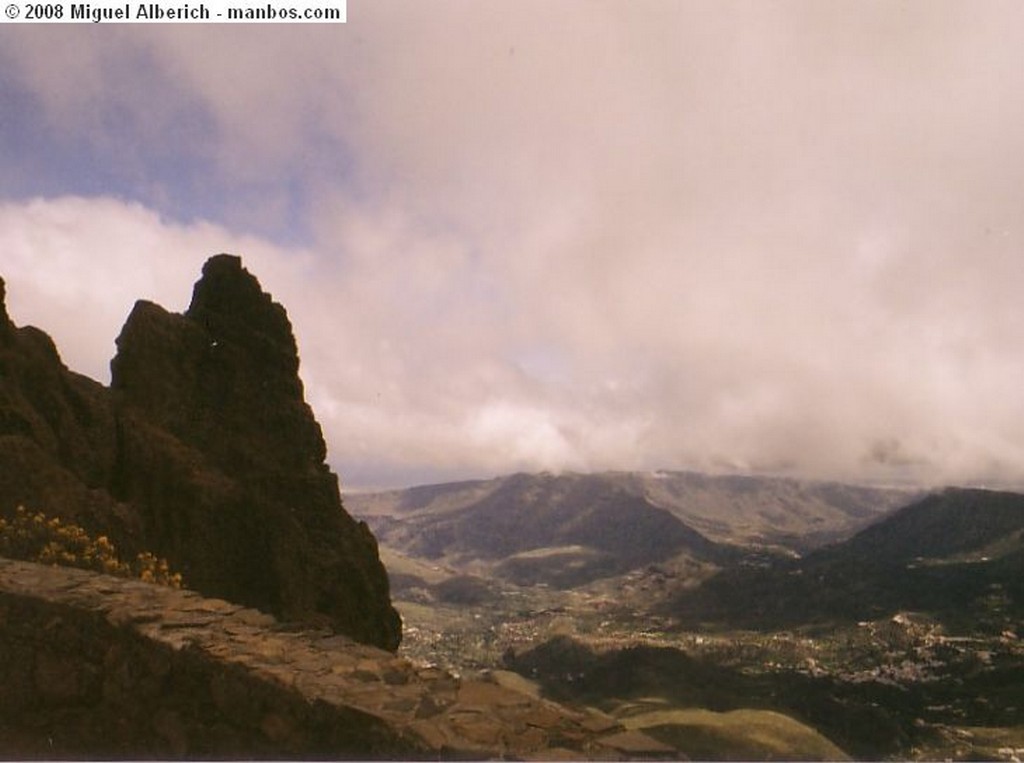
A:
{"x":35,"y":537}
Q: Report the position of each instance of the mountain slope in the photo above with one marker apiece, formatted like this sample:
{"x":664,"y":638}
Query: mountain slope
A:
{"x":955,"y":522}
{"x":533,"y":528}
{"x":570,"y":529}
{"x":775,"y":511}
{"x":957,"y":555}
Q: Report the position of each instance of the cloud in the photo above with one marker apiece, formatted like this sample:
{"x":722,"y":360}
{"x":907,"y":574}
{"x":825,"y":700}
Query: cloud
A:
{"x":775,"y":237}
{"x":74,"y":267}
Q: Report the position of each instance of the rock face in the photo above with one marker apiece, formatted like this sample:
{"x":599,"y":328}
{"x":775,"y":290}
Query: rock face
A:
{"x":203,"y":450}
{"x":57,"y":434}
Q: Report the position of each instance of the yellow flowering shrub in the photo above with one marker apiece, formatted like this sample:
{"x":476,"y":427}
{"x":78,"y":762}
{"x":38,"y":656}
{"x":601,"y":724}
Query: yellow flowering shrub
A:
{"x":34,"y":537}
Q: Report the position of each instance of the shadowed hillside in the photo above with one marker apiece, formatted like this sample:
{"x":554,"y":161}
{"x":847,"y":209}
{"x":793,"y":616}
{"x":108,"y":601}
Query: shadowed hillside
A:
{"x":957,"y":555}
{"x":564,"y":530}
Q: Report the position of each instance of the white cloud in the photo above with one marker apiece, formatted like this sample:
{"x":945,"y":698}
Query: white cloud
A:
{"x":777,"y":236}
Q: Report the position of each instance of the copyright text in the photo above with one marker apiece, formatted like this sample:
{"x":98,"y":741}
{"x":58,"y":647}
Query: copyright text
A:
{"x":208,"y":11}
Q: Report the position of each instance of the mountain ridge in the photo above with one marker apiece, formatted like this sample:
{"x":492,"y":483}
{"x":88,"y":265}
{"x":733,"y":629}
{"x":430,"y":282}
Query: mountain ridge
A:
{"x":585,"y":528}
{"x":737,"y":509}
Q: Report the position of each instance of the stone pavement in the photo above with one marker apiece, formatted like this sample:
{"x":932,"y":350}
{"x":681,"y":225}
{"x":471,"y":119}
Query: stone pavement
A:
{"x":108,"y":666}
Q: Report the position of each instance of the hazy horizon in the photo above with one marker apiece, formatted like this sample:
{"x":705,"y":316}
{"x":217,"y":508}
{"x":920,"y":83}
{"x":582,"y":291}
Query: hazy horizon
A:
{"x":750,"y":237}
{"x":910,"y":486}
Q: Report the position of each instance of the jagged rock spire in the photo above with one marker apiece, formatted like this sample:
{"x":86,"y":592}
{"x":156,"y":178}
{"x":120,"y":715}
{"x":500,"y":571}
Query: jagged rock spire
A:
{"x":229,"y":303}
{"x":203,"y":451}
{"x":223,"y":379}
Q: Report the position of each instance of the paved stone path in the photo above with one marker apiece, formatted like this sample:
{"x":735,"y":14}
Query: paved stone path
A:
{"x":430,"y":712}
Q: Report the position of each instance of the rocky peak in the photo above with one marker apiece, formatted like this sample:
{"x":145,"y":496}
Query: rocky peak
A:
{"x":203,"y":450}
{"x":230,"y":363}
{"x":230,"y":305}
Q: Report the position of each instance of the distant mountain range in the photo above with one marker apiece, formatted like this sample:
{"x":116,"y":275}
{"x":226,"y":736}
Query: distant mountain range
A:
{"x":787,"y":552}
{"x":732,"y":617}
{"x":569,"y":529}
{"x":573,"y":528}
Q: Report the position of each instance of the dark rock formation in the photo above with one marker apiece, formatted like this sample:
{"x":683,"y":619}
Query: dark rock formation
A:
{"x":203,"y":450}
{"x":57,"y":434}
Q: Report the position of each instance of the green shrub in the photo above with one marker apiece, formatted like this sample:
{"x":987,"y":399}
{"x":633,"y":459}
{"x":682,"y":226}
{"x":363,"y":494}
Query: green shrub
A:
{"x":33,"y":537}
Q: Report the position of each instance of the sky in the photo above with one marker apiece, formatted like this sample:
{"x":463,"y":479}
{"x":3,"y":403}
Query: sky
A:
{"x":754,"y":237}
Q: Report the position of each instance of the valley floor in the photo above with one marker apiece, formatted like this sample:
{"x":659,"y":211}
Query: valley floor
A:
{"x":898,"y":688}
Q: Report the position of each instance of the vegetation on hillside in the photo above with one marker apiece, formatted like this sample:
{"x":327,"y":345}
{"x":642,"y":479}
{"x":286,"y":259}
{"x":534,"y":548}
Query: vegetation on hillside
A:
{"x":34,"y":537}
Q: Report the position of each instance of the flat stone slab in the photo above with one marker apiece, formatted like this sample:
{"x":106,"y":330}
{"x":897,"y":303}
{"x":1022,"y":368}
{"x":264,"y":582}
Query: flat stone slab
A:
{"x":637,"y":743}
